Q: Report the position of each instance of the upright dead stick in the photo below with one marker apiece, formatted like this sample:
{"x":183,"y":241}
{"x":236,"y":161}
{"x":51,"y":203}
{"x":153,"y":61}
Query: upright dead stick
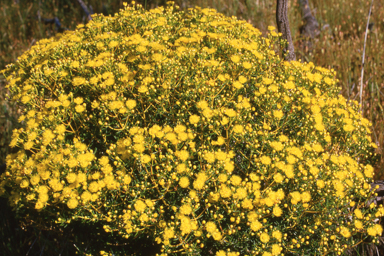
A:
{"x":363,"y":62}
{"x":283,"y":27}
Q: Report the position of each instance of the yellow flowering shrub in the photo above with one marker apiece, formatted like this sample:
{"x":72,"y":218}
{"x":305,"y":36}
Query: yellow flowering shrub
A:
{"x":188,"y":128}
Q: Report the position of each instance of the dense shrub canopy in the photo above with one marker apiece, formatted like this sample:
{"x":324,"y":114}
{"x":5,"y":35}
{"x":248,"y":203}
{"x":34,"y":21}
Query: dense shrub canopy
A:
{"x":188,"y":128}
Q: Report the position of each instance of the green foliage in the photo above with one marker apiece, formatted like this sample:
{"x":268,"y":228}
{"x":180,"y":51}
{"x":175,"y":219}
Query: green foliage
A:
{"x":186,"y":128}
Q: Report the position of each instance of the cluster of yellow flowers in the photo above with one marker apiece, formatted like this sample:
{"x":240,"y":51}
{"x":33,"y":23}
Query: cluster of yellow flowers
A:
{"x":187,"y":127}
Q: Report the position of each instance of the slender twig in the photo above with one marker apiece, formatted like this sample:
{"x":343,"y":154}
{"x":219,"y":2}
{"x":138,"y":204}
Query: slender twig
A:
{"x":363,"y":63}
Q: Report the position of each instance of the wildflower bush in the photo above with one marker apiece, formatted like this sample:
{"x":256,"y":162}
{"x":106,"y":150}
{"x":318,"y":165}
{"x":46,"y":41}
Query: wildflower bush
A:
{"x":189,"y":129}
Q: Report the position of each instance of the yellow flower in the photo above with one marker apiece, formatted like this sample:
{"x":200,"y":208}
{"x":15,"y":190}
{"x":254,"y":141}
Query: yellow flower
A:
{"x":267,"y":81}
{"x":35,"y":179}
{"x":359,"y":224}
{"x":238,"y":128}
{"x":277,"y":211}
{"x":143,"y":89}
{"x":241,"y":193}
{"x":184,"y":182}
{"x":278,"y":114}
{"x":376,"y":230}
{"x":320,"y":184}
{"x":78,"y":100}
{"x":86,"y":196}
{"x":289,"y":85}
{"x":296,"y":197}
{"x":140,"y":206}
{"x":71,"y":177}
{"x":247,"y":65}
{"x":39,"y":205}
{"x":202,"y":104}
{"x":183,"y":155}
{"x":217,"y":235}
{"x":127,"y":179}
{"x":77,"y":81}
{"x":103,"y":161}
{"x":230,"y":112}
{"x":210,"y":226}
{"x":264,"y":237}
{"x":168,"y":233}
{"x":278,"y":178}
{"x":276,"y":249}
{"x":229,"y":166}
{"x":222,"y":177}
{"x":235,"y":58}
{"x":277,"y":145}
{"x":200,"y":181}
{"x":345,"y":232}
{"x":305,"y":197}
{"x":225,"y":191}
{"x":194,"y":119}
{"x":186,"y":209}
{"x":210,"y":157}
{"x":181,"y":168}
{"x":265,"y":160}
{"x":238,"y":85}
{"x":236,"y":180}
{"x":277,"y":234}
{"x":131,"y":104}
{"x":72,"y":203}
{"x":139,"y":148}
{"x":24,"y":183}
{"x":145,"y":159}
{"x":358,"y":213}
{"x":368,"y":171}
{"x":221,"y":253}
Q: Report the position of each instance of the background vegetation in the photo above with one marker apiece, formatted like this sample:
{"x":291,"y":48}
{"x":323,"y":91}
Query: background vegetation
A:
{"x":339,"y":47}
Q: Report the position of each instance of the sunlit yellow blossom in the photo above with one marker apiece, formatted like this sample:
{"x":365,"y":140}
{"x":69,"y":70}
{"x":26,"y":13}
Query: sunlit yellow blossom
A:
{"x":238,"y":85}
{"x":71,"y":177}
{"x":235,"y":58}
{"x":77,"y":81}
{"x":221,"y":253}
{"x":183,"y":155}
{"x":345,"y":232}
{"x":296,"y":197}
{"x":264,"y":237}
{"x":210,"y":157}
{"x":200,"y":181}
{"x":222,"y":177}
{"x":267,"y":81}
{"x":235,"y":180}
{"x":185,"y":209}
{"x":276,"y":249}
{"x":278,"y":178}
{"x":24,"y":183}
{"x":131,"y":104}
{"x":194,"y":119}
{"x":277,"y":234}
{"x":184,"y":182}
{"x":229,"y":166}
{"x":305,"y":197}
{"x":72,"y":203}
{"x":145,"y":159}
{"x":247,"y":65}
{"x":358,"y":224}
{"x":140,"y":206}
{"x":265,"y":160}
{"x":39,"y":205}
{"x":238,"y":128}
{"x":376,"y":230}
